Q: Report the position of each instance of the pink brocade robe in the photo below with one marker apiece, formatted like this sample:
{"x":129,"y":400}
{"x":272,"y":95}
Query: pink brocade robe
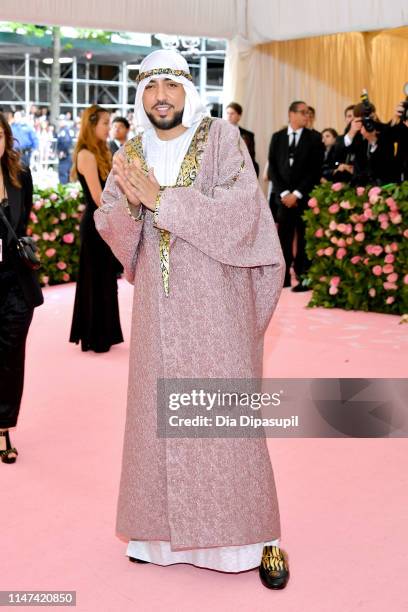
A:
{"x":226,"y":275}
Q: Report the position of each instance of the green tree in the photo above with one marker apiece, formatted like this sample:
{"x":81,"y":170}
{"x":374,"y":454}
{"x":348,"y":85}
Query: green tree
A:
{"x":55,"y":32}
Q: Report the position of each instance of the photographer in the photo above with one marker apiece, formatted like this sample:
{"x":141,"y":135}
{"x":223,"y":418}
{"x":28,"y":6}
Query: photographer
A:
{"x":399,"y":127}
{"x":369,"y":147}
{"x":19,"y":288}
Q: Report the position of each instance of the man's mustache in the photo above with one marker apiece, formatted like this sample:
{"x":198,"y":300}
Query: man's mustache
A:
{"x":163,"y":103}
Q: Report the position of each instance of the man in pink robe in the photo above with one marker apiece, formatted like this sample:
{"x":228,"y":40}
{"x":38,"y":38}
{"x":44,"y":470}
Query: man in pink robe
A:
{"x":183,"y":212}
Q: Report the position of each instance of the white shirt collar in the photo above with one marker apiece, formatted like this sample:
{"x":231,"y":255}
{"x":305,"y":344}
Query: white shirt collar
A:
{"x":292,"y":131}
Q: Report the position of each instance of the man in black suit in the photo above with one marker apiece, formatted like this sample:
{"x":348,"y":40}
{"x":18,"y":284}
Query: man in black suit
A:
{"x":234,"y":112}
{"x":295,"y":162}
{"x":120,"y":131}
{"x":371,"y":149}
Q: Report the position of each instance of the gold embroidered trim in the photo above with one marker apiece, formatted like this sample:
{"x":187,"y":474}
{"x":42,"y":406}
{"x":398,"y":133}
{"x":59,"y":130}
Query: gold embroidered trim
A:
{"x":273,"y":560}
{"x":149,"y":73}
{"x":186,"y":177}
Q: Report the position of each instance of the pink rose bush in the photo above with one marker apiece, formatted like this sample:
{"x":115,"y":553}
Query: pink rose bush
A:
{"x":358,"y":245}
{"x":54,"y":224}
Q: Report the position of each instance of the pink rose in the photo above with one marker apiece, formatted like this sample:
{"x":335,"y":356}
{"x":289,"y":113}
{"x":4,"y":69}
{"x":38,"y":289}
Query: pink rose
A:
{"x":341,"y":227}
{"x":341,"y":253}
{"x":354,"y":260}
{"x":366,"y":205}
{"x":328,"y":251}
{"x":392,"y":278}
{"x":341,"y":242}
{"x":52,"y":236}
{"x":405,"y":234}
{"x":349,"y":240}
{"x":389,"y":286}
{"x":63,"y":216}
{"x":374,"y":191}
{"x":390,"y":299}
{"x":395,"y":218}
{"x":50,"y":252}
{"x":333,"y":290}
{"x":359,"y":227}
{"x":377,"y":270}
{"x":337,"y":186}
{"x":377,"y":250}
{"x":35,"y":237}
{"x":388,"y":268}
{"x":354,"y":218}
{"x":54,"y":220}
{"x":334,"y":208}
{"x":384,"y":225}
{"x":383,"y":217}
{"x":53,"y":197}
{"x":389,"y":258}
{"x":312,"y":202}
{"x":359,"y":237}
{"x":334,"y":240}
{"x":38,"y":205}
{"x":316,"y":210}
{"x":368,"y":213}
{"x":68,"y":238}
{"x":394,"y":246}
{"x":366,"y":261}
{"x":81,"y":207}
{"x":73,"y":194}
{"x":322,"y":279}
{"x":333,"y":225}
{"x":33,"y":217}
{"x":372,"y":292}
{"x":320,"y":252}
{"x":335,"y":281}
{"x":61,"y":265}
{"x":346,"y":205}
{"x":29,"y":231}
{"x":65,"y":277}
{"x":391,"y":203}
{"x":406,"y":279}
{"x":360,"y":191}
{"x":349,"y":229}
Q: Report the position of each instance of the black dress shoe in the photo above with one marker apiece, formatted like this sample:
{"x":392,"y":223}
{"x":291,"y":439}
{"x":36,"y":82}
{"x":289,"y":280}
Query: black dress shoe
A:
{"x":303,"y":285}
{"x":274,"y":570}
{"x":134,"y":560}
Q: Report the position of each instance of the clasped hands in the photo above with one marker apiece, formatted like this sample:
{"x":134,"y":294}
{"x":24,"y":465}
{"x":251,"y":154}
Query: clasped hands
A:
{"x":289,"y":200}
{"x":138,"y":186}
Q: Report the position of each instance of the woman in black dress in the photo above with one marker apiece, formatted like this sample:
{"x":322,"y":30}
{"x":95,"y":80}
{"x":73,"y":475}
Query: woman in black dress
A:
{"x":96,"y":311}
{"x":20,"y":291}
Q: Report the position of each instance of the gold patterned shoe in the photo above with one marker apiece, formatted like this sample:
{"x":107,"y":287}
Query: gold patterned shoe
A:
{"x":274,"y":569}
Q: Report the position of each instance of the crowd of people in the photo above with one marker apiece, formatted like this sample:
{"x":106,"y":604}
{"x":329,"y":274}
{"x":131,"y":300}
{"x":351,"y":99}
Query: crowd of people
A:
{"x":368,"y":152}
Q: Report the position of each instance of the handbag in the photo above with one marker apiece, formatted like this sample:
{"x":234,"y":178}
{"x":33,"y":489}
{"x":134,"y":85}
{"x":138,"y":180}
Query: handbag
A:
{"x":26,"y":247}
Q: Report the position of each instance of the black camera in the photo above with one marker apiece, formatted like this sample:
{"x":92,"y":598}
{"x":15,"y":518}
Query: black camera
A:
{"x":368,"y":122}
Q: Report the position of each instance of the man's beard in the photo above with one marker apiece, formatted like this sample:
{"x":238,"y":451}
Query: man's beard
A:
{"x":167,"y":124}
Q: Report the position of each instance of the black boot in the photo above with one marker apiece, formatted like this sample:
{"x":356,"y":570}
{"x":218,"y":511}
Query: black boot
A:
{"x":274,"y":570}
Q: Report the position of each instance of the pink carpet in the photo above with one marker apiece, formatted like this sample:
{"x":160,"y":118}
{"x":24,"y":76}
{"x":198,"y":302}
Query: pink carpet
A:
{"x":343,"y":502}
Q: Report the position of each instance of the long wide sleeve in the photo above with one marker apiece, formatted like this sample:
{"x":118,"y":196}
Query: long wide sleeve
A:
{"x":119,"y":230}
{"x":226,"y":216}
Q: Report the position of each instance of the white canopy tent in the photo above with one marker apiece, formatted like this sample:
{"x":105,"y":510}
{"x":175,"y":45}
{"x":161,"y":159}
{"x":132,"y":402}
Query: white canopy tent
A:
{"x":256,"y":21}
{"x":278,"y":51}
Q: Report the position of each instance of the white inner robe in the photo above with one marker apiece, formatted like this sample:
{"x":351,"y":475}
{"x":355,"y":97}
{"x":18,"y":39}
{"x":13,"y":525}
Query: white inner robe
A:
{"x":165,"y":157}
